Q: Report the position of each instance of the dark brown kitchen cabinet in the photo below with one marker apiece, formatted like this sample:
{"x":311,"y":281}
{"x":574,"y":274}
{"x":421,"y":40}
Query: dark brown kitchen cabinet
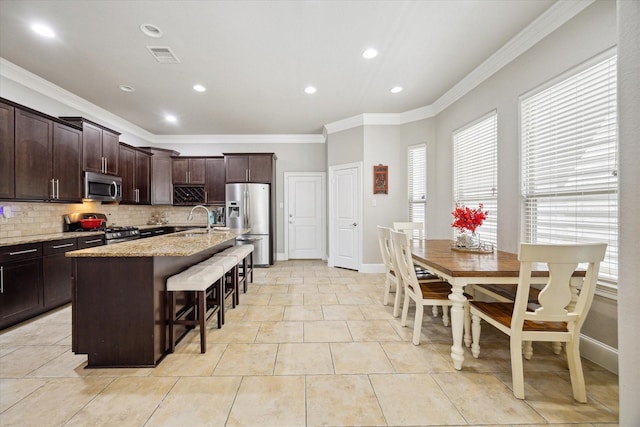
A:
{"x":101,"y":146}
{"x":47,"y":159}
{"x":56,"y":272}
{"x":21,"y":293}
{"x":256,"y":167}
{"x":135,"y":167}
{"x":90,"y":241}
{"x":215,"y":180}
{"x":161,"y":183}
{"x":7,"y":138}
{"x":188,"y":170}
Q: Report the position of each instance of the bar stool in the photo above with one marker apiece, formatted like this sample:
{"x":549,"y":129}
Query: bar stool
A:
{"x":230,"y":265}
{"x":197,"y":279}
{"x":245,"y":257}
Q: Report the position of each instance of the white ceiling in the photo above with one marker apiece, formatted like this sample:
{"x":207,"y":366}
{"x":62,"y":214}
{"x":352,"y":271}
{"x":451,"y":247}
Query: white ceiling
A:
{"x":256,"y":57}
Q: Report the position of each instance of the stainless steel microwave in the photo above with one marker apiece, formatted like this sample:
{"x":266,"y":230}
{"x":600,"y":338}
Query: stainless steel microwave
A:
{"x":100,"y":187}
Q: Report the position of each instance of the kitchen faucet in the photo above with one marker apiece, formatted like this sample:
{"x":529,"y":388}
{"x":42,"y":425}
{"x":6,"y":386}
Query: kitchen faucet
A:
{"x":190,"y":217}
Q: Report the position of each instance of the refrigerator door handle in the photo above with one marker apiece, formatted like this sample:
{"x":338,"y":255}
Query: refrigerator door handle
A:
{"x":247,"y":209}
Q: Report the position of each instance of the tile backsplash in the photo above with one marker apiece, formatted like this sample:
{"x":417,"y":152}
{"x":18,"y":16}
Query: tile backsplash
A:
{"x":31,"y":218}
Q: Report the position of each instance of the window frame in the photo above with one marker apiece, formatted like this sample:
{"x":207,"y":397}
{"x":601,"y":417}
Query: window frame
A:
{"x":418,"y":201}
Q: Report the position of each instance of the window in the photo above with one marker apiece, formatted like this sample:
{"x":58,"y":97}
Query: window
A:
{"x":569,"y":162}
{"x":417,"y":185}
{"x":475,"y":171}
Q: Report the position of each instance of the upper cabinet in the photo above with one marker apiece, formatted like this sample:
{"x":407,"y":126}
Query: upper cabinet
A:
{"x":7,"y":138}
{"x":215,"y":180}
{"x":188,"y":170}
{"x":161,"y":184}
{"x":135,"y":169}
{"x":47,"y":158}
{"x":258,"y":167}
{"x":101,"y":146}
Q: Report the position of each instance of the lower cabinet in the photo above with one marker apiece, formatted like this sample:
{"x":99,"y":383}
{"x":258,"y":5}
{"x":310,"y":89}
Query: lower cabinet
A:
{"x":151,"y":232}
{"x":56,"y":269}
{"x":37,"y":277}
{"x":21,"y":295}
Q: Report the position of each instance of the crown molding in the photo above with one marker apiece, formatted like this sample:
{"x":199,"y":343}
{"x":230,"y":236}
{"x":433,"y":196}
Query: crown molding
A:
{"x":554,"y":17}
{"x":176,"y":140}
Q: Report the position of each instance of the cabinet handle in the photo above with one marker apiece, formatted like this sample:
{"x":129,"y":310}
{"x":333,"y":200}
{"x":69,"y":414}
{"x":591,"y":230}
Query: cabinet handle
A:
{"x":1,"y":280}
{"x":66,"y":245}
{"x":53,"y":188}
{"x":246,"y":174}
{"x":206,"y":197}
{"x":93,"y":241}
{"x":57,"y":189}
{"x":158,"y":231}
{"x":137,"y":195}
{"x":27,"y":251}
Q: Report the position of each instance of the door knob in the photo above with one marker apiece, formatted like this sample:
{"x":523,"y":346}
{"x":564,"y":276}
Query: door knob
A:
{"x":355,"y":224}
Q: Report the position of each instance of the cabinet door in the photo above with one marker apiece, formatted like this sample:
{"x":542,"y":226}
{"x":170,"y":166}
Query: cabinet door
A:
{"x":56,"y":272}
{"x":260,"y":169}
{"x":67,"y":162}
{"x":33,"y":153}
{"x":161,"y":188}
{"x":143,"y":167}
{"x":127,"y":172}
{"x":7,"y":138}
{"x":22,"y":291}
{"x":215,"y":180}
{"x":110,"y":151}
{"x":91,"y":148}
{"x":237,"y":168}
{"x":180,"y":171}
{"x":196,"y":171}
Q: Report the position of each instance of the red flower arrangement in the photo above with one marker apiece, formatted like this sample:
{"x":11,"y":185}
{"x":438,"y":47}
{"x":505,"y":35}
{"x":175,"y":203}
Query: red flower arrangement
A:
{"x":468,"y":219}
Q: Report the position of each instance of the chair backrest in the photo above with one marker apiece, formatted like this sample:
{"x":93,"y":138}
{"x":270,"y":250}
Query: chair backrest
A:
{"x":384,"y":241}
{"x":410,"y":228}
{"x":404,"y":261}
{"x":556,"y":299}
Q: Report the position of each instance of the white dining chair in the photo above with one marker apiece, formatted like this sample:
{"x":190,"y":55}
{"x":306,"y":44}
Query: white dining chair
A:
{"x":421,"y":292}
{"x":558,"y":317}
{"x":391,"y":277}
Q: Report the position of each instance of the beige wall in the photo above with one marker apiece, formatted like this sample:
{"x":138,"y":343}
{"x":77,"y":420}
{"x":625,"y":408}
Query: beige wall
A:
{"x":629,"y":291}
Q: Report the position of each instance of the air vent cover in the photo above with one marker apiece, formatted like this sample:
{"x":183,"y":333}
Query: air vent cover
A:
{"x":163,"y":55}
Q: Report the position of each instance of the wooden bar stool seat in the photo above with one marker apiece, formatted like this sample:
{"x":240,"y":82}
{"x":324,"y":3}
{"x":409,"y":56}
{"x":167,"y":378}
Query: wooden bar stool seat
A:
{"x":198,"y":279}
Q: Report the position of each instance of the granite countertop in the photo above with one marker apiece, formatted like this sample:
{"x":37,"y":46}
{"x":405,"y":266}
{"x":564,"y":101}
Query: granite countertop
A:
{"x":47,"y":237}
{"x":184,"y":243}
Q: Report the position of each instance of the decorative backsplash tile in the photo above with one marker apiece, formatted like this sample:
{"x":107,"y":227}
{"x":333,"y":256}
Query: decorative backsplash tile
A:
{"x":28,"y":218}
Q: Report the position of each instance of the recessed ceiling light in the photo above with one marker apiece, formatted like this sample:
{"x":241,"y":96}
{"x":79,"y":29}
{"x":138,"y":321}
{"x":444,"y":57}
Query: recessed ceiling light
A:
{"x":126,"y":88}
{"x":396,"y":89}
{"x":170,"y":118}
{"x":199,"y":88}
{"x":310,"y":90}
{"x":43,"y":30}
{"x":369,"y":53}
{"x":151,"y":31}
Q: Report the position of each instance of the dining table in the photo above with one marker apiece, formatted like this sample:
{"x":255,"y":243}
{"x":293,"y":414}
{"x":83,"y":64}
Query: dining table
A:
{"x":462,"y":267}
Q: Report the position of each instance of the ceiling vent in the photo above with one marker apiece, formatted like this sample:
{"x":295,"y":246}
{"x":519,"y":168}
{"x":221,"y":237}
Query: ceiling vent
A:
{"x":163,"y":55}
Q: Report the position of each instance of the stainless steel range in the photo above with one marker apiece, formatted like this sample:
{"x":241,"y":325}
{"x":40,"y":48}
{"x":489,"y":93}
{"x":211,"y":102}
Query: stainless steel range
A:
{"x":91,"y":221}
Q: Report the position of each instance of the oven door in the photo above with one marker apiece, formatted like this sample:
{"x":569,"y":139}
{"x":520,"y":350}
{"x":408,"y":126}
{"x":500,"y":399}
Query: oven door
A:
{"x":120,"y":240}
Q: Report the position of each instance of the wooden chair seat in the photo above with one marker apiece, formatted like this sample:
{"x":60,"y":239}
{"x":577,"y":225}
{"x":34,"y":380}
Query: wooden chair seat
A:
{"x":503,"y":312}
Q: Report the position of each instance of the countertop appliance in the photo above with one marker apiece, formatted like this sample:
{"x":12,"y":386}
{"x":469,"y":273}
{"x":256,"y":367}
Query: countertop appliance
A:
{"x":112,"y":234}
{"x":249,"y":206}
{"x":101,"y":187}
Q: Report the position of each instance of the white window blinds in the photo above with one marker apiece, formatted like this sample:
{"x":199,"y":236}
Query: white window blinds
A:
{"x":417,"y":182}
{"x":569,"y":162}
{"x":475,"y":171}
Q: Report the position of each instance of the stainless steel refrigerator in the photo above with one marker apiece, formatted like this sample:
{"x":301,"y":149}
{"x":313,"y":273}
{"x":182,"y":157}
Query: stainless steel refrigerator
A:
{"x":249,"y":206}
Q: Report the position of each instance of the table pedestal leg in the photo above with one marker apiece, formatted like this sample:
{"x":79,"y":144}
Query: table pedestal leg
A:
{"x":457,"y":325}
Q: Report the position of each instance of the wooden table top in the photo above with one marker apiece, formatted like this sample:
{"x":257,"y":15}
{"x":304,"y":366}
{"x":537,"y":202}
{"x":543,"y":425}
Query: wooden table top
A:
{"x":438,"y":255}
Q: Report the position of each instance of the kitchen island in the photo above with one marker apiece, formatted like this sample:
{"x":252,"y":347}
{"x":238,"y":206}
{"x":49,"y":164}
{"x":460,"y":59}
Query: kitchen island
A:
{"x":119,"y":310}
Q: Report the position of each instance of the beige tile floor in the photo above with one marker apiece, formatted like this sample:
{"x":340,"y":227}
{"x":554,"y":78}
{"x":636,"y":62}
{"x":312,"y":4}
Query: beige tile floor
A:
{"x":307,"y":346}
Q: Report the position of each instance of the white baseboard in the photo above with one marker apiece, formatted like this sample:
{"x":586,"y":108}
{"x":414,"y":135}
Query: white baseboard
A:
{"x":599,"y":353}
{"x":281,"y":256}
{"x":372,"y":268}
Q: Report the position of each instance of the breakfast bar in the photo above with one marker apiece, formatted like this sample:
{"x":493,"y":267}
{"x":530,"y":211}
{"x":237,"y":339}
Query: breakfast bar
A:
{"x":119,"y":309}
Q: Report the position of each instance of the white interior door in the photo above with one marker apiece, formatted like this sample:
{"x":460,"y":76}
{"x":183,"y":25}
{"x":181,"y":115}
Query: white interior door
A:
{"x":305,"y":215}
{"x":345,"y":215}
